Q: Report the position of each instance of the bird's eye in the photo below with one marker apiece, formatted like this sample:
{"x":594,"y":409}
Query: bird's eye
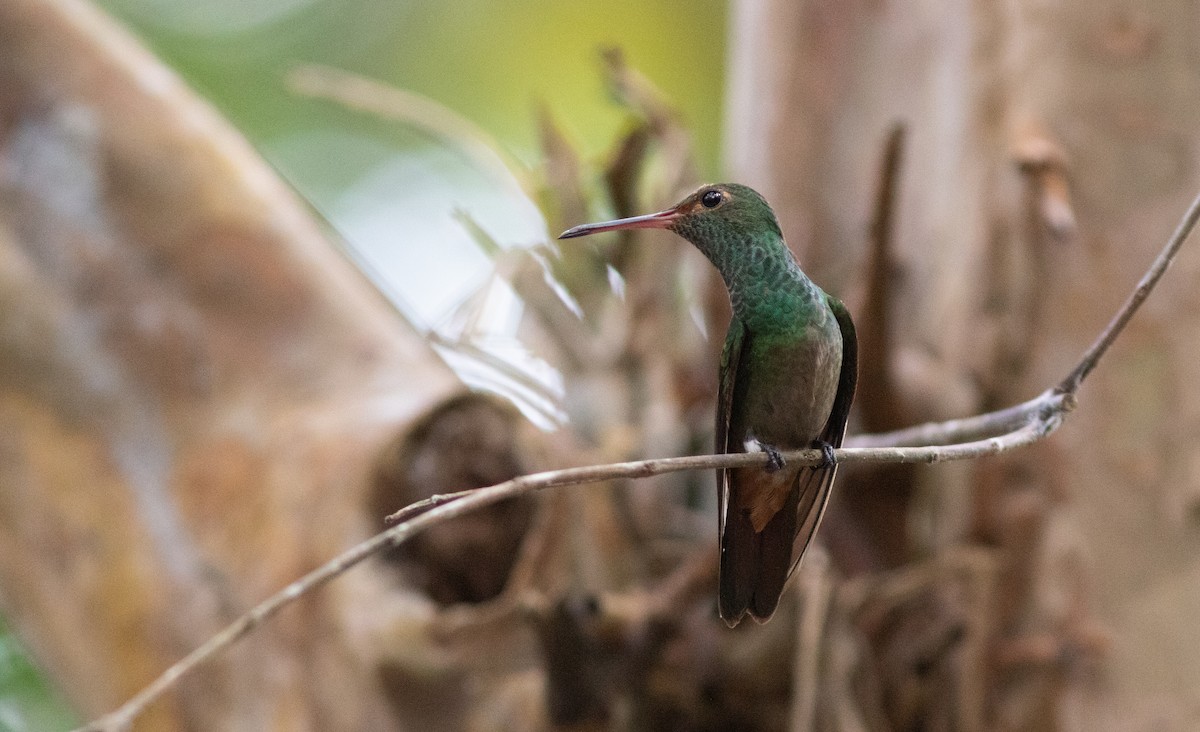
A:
{"x":711,"y":199}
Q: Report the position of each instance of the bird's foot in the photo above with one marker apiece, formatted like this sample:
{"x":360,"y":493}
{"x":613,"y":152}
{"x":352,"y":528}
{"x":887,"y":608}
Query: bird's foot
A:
{"x":775,"y":460}
{"x":828,"y":459}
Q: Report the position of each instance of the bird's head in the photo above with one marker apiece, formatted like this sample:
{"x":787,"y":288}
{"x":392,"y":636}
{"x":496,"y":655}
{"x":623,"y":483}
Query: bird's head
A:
{"x":714,"y":216}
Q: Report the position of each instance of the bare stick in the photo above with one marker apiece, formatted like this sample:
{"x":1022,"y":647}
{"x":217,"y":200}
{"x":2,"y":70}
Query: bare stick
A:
{"x":1021,"y":425}
{"x":863,"y":448}
{"x":1089,"y":360}
{"x":1005,"y":419}
{"x":454,"y":505}
{"x":967,"y":428}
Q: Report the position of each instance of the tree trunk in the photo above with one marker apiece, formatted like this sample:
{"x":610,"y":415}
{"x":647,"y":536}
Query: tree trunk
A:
{"x":194,"y":388}
{"x":1051,"y":151}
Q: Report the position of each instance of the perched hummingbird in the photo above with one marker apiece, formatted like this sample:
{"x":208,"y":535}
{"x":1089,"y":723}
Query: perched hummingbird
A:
{"x":787,"y":378}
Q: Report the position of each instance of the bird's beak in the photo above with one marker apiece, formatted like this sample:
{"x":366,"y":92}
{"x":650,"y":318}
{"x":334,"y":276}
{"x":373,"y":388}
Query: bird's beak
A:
{"x":660,"y":220}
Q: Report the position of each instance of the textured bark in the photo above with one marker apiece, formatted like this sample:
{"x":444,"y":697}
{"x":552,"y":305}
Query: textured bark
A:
{"x":1052,"y":148}
{"x":193,"y":387}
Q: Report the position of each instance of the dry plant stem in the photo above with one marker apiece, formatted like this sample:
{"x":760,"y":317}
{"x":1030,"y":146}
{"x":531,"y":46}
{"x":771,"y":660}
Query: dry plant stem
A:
{"x":1023,"y":435}
{"x":457,"y":504}
{"x":1089,"y":360}
{"x":1006,"y":419}
{"x":967,"y":428}
{"x":1022,"y":425}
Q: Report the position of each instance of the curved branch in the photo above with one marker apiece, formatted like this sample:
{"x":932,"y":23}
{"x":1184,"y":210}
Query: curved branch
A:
{"x":441,"y":508}
{"x":1091,"y":357}
{"x":977,"y":436}
{"x":967,"y":428}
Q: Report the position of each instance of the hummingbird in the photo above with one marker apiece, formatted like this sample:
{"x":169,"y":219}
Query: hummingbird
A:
{"x":787,"y":377}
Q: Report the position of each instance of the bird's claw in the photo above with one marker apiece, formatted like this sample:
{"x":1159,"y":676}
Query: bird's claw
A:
{"x":828,"y":459}
{"x":775,"y":460}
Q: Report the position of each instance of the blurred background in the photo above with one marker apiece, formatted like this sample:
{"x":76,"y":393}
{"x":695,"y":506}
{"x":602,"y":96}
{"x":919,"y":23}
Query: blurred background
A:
{"x":270,"y":271}
{"x":394,"y":192}
{"x":481,"y":78}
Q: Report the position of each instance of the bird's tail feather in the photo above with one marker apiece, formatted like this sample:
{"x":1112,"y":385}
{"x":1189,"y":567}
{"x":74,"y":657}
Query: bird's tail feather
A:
{"x":754,"y":565}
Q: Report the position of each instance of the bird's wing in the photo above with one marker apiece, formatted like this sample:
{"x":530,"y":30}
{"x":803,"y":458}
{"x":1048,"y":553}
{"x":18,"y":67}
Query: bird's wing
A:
{"x":730,"y":357}
{"x":741,"y":559}
{"x":815,"y":483}
{"x":835,"y":428}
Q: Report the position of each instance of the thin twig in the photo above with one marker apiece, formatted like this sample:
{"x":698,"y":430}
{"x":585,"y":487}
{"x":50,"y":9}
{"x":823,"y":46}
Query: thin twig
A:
{"x":1022,"y":424}
{"x":457,"y":504}
{"x":1025,"y":434}
{"x":1071,"y":384}
{"x":967,"y":428}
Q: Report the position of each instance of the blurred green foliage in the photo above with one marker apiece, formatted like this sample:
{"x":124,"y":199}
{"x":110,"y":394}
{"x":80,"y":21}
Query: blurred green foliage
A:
{"x":398,"y":195}
{"x":27,"y":703}
{"x":492,"y":61}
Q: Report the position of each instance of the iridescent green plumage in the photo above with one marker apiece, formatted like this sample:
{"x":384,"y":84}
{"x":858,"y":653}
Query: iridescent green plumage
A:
{"x":787,"y":379}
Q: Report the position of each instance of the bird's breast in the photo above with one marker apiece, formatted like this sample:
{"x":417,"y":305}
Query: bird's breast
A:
{"x":791,"y":385}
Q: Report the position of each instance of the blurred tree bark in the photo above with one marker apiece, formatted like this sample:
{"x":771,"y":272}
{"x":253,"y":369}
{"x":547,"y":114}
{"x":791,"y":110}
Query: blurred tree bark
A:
{"x":194,"y":385}
{"x":1051,"y":148}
